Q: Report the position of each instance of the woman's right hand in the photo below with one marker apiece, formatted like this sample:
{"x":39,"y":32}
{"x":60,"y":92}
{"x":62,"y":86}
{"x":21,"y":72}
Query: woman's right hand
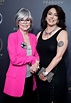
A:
{"x":34,"y":67}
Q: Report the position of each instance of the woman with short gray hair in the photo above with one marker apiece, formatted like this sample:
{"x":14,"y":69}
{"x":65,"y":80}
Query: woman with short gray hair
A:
{"x":24,"y":61}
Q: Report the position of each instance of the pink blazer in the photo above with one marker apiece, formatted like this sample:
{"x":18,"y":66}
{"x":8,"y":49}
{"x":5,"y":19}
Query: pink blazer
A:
{"x":16,"y":74}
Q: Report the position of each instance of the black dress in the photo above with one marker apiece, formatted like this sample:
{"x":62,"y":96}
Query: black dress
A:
{"x":56,"y":90}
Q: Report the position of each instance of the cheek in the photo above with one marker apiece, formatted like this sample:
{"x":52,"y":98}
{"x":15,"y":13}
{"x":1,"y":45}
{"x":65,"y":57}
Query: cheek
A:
{"x":47,"y":19}
{"x":48,"y":16}
{"x":30,"y":24}
{"x":56,"y":18}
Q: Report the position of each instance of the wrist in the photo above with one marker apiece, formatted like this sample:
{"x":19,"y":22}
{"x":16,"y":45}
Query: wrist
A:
{"x":44,"y":73}
{"x":37,"y":61}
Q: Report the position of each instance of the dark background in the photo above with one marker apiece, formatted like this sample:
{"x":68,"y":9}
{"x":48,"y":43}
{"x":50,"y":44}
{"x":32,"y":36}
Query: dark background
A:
{"x":8,"y":9}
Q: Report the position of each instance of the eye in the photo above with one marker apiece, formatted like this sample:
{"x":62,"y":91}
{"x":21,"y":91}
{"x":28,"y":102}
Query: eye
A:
{"x":27,"y":19}
{"x":56,"y":14}
{"x":21,"y":19}
{"x":49,"y":13}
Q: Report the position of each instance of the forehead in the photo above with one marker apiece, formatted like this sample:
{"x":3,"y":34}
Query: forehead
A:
{"x":25,"y":17}
{"x":53,"y":10}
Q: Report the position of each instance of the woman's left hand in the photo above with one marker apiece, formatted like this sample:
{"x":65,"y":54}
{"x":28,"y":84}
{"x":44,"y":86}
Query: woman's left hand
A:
{"x":41,"y":76}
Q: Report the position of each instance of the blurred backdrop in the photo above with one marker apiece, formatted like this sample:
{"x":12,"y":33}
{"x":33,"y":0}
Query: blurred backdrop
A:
{"x":8,"y":9}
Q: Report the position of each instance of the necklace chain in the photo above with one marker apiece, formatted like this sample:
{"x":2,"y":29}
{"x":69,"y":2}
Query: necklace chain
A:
{"x":46,"y":33}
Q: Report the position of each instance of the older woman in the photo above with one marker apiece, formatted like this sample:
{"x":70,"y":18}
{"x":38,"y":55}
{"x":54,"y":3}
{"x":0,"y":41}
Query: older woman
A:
{"x":20,"y":81}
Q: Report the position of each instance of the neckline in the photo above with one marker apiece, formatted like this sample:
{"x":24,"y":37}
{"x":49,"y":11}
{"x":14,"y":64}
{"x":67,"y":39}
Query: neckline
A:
{"x":49,"y":33}
{"x":51,"y":36}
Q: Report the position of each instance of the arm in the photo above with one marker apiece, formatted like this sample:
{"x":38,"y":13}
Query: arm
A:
{"x":14,"y":57}
{"x":62,"y":40}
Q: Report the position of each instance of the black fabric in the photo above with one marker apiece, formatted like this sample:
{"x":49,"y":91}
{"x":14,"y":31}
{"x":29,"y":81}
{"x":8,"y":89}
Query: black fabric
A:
{"x":29,"y":96}
{"x":56,"y":90}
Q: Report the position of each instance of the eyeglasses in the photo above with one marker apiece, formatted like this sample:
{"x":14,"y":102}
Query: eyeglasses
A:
{"x":25,"y":21}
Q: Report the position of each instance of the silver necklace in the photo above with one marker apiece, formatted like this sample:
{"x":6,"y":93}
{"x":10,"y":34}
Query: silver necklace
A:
{"x":46,"y":33}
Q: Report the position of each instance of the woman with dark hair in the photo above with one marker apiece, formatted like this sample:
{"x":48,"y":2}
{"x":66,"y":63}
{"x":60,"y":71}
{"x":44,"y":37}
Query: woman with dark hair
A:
{"x":51,"y":47}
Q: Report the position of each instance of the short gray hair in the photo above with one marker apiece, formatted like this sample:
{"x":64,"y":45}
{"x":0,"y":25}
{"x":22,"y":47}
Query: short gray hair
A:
{"x":22,"y":13}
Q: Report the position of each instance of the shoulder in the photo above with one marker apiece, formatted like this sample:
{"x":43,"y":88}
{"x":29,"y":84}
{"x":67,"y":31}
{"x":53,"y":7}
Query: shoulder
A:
{"x":32,"y":35}
{"x":63,"y":33}
{"x":12,"y":35}
{"x":38,"y":34}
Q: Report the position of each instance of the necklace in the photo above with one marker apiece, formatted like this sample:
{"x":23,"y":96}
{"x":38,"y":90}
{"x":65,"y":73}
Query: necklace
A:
{"x":46,"y":33}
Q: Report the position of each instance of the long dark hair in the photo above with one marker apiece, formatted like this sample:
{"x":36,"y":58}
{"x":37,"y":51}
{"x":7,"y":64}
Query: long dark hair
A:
{"x":60,"y":13}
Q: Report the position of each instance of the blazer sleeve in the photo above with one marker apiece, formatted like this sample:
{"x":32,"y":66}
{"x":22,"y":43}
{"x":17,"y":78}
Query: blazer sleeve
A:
{"x":14,"y":58}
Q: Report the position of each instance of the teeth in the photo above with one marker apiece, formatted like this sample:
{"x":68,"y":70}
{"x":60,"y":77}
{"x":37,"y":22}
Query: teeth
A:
{"x":24,"y":25}
{"x":51,"y":20}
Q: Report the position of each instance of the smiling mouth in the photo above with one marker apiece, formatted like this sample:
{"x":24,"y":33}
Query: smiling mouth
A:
{"x":51,"y":21}
{"x":25,"y":25}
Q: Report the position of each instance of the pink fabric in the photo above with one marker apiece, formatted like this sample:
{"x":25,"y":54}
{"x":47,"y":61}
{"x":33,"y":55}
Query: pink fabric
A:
{"x":15,"y":76}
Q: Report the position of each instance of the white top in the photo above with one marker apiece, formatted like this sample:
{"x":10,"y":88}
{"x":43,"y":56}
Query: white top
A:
{"x":29,"y":53}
